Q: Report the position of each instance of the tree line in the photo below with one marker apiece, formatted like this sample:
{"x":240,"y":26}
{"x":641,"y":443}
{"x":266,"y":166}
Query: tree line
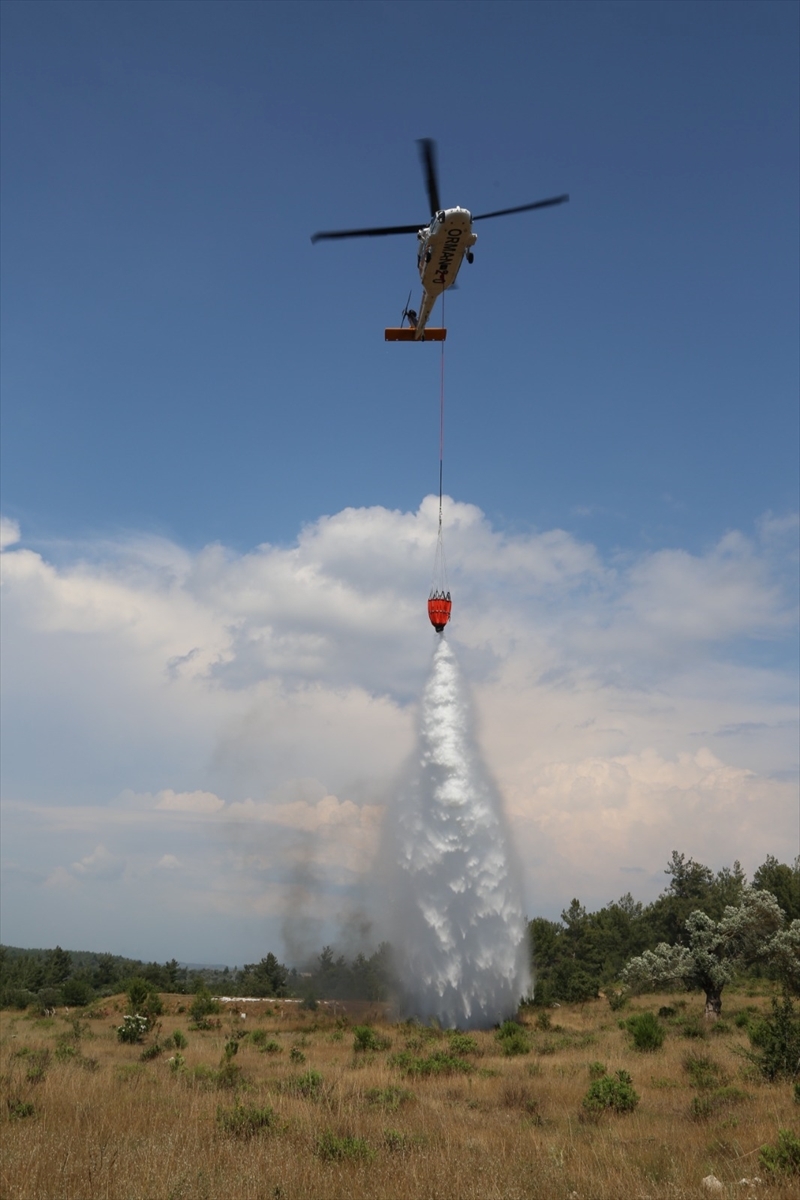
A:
{"x":572,"y":959}
{"x":52,"y":978}
{"x":586,"y":952}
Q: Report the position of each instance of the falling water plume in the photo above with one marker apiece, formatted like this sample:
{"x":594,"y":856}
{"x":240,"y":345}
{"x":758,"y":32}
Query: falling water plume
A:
{"x":460,"y":930}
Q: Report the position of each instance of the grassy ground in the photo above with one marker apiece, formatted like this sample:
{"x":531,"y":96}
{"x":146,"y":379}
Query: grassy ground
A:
{"x":84,"y":1117}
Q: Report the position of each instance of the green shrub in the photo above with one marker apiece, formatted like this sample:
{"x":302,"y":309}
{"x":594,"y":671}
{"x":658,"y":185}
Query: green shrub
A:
{"x":258,"y":1037}
{"x":513,"y":1039}
{"x":421,"y":1035}
{"x":334,"y":1148}
{"x":646,"y":1032}
{"x":138,"y":990}
{"x":693,"y":1027}
{"x":777,"y":1041}
{"x":440,"y":1062}
{"x":308,"y":1085}
{"x":783,"y":1158}
{"x":616,"y":1000}
{"x":296,"y":1055}
{"x":389,"y":1098}
{"x":144,"y":999}
{"x":228,"y":1075}
{"x":36,"y":1062}
{"x":77,"y":993}
{"x":133,"y":1028}
{"x":543,"y":1020}
{"x":272,"y":1047}
{"x":710,"y":1104}
{"x":245,"y":1121}
{"x":666,"y":1011}
{"x":19,"y":1109}
{"x":395,"y":1141}
{"x":462,"y":1043}
{"x":77,"y":1030}
{"x":597,"y":1070}
{"x":179,"y":1040}
{"x":151,"y":1052}
{"x":21,"y":998}
{"x":797,"y":1093}
{"x":42,"y":1004}
{"x":611,"y":1092}
{"x":365,"y":1038}
{"x":703,"y":1071}
{"x":46,"y":997}
{"x":202,"y":1007}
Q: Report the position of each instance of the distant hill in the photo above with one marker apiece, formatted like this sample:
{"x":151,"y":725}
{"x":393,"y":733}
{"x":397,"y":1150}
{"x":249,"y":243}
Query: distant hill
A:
{"x":89,"y":958}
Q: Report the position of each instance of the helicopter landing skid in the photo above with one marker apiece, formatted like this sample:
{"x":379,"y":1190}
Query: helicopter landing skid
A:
{"x":410,"y":335}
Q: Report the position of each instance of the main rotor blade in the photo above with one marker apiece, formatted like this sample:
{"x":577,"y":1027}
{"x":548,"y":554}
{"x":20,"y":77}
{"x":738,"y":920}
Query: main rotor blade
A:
{"x":427,"y":152}
{"x":382,"y":232}
{"x":503,"y":212}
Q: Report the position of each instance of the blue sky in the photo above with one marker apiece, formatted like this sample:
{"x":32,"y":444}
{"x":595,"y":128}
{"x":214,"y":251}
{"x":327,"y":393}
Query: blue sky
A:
{"x":187,"y":379}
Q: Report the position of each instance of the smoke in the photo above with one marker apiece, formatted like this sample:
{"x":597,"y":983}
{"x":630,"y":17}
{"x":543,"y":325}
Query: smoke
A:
{"x":459,"y":930}
{"x":302,"y":926}
{"x":320,"y":908}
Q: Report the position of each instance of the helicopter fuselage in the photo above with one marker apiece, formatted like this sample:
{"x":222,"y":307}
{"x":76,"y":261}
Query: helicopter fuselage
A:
{"x":442,"y":247}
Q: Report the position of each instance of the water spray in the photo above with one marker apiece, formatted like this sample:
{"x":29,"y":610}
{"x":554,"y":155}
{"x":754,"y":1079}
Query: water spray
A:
{"x":460,"y":930}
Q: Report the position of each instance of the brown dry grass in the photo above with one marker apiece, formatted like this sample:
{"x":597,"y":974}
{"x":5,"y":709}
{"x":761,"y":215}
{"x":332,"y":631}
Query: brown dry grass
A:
{"x":123,"y":1129}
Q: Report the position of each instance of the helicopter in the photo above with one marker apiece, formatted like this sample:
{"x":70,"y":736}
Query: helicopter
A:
{"x":443,"y":244}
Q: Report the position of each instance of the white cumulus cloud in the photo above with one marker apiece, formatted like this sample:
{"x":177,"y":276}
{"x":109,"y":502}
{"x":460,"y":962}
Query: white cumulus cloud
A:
{"x":9,"y":532}
{"x":247,"y":712}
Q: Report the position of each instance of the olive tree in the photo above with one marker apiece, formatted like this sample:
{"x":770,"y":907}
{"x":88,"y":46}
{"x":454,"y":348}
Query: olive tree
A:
{"x":748,"y":932}
{"x":784,"y":956}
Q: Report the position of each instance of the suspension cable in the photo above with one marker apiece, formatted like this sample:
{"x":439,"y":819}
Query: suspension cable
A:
{"x":441,"y":425}
{"x":439,"y":580}
{"x":439,"y":603}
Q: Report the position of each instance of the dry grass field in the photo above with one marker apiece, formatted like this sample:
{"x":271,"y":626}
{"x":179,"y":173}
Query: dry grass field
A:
{"x":296,"y":1113}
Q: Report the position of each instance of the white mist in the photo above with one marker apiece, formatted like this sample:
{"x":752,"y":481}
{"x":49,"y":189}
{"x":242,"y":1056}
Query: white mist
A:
{"x":459,"y":928}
